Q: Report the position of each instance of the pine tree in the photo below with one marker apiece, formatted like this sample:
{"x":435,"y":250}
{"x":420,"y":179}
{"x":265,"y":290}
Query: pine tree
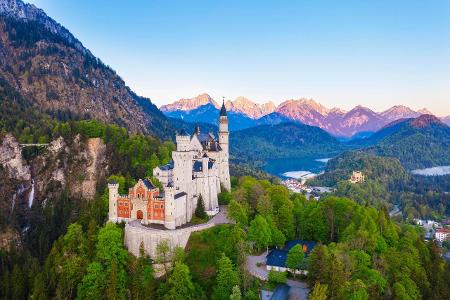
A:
{"x":200,"y":209}
{"x":226,"y":279}
{"x":111,"y":291}
{"x":179,"y":285}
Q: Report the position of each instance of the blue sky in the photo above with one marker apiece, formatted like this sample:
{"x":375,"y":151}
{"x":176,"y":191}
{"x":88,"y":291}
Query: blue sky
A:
{"x":340,"y":53}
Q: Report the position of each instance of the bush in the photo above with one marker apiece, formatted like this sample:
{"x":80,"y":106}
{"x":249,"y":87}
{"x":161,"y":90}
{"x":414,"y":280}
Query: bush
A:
{"x":276,"y":278}
{"x":224,"y":198}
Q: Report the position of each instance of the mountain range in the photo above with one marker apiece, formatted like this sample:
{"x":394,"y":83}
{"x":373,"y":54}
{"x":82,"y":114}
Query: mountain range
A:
{"x":358,"y":121}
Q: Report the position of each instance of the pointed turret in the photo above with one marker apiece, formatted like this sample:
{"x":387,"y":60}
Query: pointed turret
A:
{"x":224,"y":172}
{"x":223,"y":110}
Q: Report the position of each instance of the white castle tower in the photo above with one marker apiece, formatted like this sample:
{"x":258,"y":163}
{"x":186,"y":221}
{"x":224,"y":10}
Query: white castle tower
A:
{"x":169,"y":196}
{"x":224,"y":169}
{"x":113,"y":195}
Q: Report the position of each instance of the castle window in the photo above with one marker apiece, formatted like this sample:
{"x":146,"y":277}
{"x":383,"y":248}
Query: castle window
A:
{"x":162,"y":206}
{"x":156,"y":205}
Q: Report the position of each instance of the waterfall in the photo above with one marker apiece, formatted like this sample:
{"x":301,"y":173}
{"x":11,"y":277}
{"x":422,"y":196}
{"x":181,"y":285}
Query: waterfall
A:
{"x":31,"y":195}
{"x":19,"y":191}
{"x":13,"y":203}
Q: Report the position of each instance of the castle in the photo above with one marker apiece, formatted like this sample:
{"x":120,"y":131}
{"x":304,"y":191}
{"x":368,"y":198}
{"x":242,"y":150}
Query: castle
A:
{"x":199,"y":166}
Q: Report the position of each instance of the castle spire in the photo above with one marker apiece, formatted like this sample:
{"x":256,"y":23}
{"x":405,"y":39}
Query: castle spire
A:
{"x":223,"y":110}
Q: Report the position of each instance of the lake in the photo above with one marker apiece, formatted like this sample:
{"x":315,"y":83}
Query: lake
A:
{"x":434,"y":171}
{"x":301,"y":167}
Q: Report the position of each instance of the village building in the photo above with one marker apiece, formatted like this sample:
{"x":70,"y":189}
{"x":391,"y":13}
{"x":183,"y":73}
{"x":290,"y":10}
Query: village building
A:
{"x":442,"y":234}
{"x":199,"y":167}
{"x":276,"y":259}
{"x":357,"y":177}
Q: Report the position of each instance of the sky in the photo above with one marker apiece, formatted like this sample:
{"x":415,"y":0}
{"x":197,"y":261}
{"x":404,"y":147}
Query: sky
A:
{"x":339,"y":53}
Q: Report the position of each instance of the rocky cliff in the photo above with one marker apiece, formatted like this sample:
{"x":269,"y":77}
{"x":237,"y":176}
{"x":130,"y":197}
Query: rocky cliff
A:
{"x":75,"y":168}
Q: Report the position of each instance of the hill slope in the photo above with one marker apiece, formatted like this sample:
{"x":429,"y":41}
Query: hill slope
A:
{"x":282,"y":141}
{"x":45,"y":63}
{"x":418,"y":143}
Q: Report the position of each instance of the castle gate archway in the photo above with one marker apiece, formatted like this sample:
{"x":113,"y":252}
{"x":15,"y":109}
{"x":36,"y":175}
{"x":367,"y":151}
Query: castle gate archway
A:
{"x":140,"y":215}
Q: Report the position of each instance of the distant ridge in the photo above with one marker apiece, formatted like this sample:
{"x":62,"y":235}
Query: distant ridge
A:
{"x":336,"y":121}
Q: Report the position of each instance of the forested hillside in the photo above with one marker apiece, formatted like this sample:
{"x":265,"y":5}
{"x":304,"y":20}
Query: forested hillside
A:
{"x":282,"y":141}
{"x":387,"y":183}
{"x":60,"y":77}
{"x":418,"y":143}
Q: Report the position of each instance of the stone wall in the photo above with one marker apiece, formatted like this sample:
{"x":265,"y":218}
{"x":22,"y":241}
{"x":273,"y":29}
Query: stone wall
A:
{"x":135,"y":233}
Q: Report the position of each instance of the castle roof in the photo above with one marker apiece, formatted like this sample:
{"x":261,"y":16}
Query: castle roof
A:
{"x":179,"y":195}
{"x":208,"y":141}
{"x":168,"y":166}
{"x":183,"y":133}
{"x":148,"y":184}
{"x":223,"y":110}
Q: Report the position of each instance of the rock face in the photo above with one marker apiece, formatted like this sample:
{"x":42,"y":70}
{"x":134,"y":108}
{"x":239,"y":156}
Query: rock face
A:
{"x":11,"y":159}
{"x":249,"y":108}
{"x":46,"y":64}
{"x":73,"y":168}
{"x":190,"y":103}
{"x":77,"y":167}
{"x":398,"y":112}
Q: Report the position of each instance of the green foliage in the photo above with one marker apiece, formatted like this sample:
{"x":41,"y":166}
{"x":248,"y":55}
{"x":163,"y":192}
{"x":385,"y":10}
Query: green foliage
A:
{"x":106,"y":275}
{"x":275,"y":278}
{"x":319,"y":292}
{"x":279,"y":141}
{"x":200,"y":209}
{"x":227,"y":278}
{"x":142,"y":276}
{"x":224,"y":197}
{"x":236,"y":212}
{"x":236,"y":293}
{"x":295,"y":257}
{"x":259,"y":232}
{"x":417,"y":145}
{"x":206,"y":246}
{"x":179,"y":284}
